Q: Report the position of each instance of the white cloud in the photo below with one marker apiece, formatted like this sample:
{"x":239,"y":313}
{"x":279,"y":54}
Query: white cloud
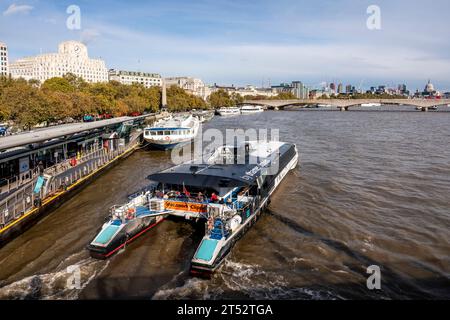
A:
{"x":13,"y":9}
{"x":89,"y":35}
{"x":211,"y":60}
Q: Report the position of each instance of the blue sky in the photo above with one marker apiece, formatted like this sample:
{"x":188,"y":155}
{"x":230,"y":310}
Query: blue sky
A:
{"x":247,"y":42}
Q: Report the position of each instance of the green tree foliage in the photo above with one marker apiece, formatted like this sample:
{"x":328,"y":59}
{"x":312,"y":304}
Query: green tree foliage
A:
{"x":284,"y":96}
{"x":57,"y":84}
{"x":280,"y":96}
{"x":236,"y":98}
{"x":180,"y":100}
{"x":27,"y":103}
{"x":23,"y":103}
{"x":219,"y":99}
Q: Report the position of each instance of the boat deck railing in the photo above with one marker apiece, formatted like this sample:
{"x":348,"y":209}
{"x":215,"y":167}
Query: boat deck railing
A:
{"x":243,"y":209}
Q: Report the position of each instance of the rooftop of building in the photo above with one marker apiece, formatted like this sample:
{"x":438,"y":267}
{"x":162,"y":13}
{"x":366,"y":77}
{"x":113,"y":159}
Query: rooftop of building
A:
{"x":133,"y":73}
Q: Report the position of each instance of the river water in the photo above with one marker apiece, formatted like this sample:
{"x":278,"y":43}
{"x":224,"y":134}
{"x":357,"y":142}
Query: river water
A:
{"x":371,"y":188}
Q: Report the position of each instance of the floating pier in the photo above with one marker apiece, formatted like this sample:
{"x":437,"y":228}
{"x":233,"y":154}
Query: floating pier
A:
{"x":80,"y":152}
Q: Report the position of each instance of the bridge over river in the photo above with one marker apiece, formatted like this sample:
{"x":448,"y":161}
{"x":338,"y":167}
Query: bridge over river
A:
{"x":345,"y":104}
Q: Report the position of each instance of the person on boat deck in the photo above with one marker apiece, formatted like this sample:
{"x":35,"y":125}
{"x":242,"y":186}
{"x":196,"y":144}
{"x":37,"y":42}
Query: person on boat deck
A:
{"x":171,"y":194}
{"x":200,"y":197}
{"x":159,"y":194}
{"x":221,"y":200}
{"x":182,"y":196}
{"x":214,"y":197}
{"x":229,"y":202}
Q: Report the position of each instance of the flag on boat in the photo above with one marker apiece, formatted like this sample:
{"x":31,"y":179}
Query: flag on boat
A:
{"x":187,"y":193}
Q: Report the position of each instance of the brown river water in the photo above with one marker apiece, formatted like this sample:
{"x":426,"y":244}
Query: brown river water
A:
{"x":371,"y":188}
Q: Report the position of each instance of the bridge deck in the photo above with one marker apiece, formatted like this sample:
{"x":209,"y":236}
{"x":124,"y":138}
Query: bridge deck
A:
{"x":345,"y":103}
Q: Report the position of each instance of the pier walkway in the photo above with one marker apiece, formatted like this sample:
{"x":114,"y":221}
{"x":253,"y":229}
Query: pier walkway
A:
{"x":60,"y":179}
{"x":27,"y":195}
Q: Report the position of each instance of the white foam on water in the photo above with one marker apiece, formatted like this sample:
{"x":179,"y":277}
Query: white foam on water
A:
{"x":251,"y":280}
{"x":192,"y":287}
{"x":295,"y":260}
{"x":257,"y":283}
{"x":53,"y":285}
{"x":340,"y":271}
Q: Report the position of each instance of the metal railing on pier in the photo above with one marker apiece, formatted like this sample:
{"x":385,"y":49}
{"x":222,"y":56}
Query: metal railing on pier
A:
{"x":59,"y":178}
{"x":11,"y":184}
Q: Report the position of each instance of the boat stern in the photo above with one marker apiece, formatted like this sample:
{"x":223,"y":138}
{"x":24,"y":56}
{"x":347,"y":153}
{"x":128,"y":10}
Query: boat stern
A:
{"x":204,"y":262}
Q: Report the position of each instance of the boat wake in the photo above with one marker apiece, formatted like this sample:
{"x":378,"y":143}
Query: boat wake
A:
{"x":256,"y":283}
{"x":56,"y":285}
{"x":193,"y":288}
{"x":235,"y":279}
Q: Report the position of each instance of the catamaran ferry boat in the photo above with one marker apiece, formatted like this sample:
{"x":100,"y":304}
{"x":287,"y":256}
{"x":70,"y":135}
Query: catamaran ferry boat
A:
{"x":127,"y":222}
{"x":229,"y":191}
{"x":171,"y":132}
{"x":233,"y":111}
{"x":250,"y":109}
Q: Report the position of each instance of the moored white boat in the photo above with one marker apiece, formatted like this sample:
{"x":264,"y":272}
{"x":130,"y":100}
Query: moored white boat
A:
{"x":373,"y":104}
{"x":250,"y":109}
{"x":231,"y":111}
{"x":172,"y":132}
{"x":203,"y":115}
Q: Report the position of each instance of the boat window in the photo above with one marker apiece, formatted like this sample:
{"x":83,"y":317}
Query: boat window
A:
{"x":160,"y":133}
{"x":153,"y":133}
{"x":166,"y":133}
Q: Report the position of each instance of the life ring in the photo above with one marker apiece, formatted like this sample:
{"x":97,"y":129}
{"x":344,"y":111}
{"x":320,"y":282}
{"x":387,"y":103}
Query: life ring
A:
{"x":130,"y":213}
{"x":167,"y":138}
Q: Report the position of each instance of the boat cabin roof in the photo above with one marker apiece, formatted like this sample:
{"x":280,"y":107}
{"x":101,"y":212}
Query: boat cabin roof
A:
{"x":213,"y":176}
{"x":166,"y":128}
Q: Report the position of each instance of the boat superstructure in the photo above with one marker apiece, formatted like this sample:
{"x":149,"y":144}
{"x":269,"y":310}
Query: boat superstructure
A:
{"x":203,"y":115}
{"x":228,"y":191}
{"x":231,"y":111}
{"x":127,"y":222}
{"x":250,"y":109}
{"x":372,"y":104}
{"x":173,"y":131}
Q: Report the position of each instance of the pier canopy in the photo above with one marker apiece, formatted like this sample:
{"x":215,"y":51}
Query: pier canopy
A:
{"x":45,"y":134}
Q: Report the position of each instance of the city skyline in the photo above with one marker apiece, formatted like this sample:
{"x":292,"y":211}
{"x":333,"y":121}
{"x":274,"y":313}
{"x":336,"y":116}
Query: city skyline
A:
{"x":235,"y":43}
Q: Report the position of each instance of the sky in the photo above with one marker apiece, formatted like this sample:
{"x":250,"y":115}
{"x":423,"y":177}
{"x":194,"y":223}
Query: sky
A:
{"x":255,"y":42}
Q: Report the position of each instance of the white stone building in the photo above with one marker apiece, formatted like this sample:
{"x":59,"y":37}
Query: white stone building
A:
{"x":248,"y":90}
{"x":4,"y":70}
{"x":254,"y":91}
{"x":192,"y":85}
{"x":72,"y":57}
{"x":130,"y":77}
